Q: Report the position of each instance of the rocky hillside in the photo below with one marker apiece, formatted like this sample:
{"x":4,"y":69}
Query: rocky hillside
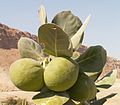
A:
{"x":8,"y":44}
{"x":9,"y":53}
{"x":111,"y":64}
{"x":9,"y":36}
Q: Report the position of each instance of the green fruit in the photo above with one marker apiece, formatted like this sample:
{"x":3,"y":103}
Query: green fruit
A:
{"x":61,"y":74}
{"x":27,"y":74}
{"x":84,"y":89}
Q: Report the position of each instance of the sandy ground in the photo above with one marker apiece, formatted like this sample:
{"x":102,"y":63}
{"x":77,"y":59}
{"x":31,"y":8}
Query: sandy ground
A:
{"x":5,"y":83}
{"x":8,"y":56}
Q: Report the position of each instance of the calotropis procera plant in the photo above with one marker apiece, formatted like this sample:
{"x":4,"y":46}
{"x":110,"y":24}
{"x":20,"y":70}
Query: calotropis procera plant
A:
{"x":55,"y":67}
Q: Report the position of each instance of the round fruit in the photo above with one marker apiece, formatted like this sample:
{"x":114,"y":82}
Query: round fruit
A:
{"x":61,"y":74}
{"x":84,"y":89}
{"x":27,"y":74}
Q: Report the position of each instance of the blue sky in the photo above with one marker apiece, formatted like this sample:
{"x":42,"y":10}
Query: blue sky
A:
{"x":103,"y":28}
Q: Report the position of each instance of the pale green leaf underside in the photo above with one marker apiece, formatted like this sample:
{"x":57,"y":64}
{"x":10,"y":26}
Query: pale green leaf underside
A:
{"x":50,"y":98}
{"x":78,"y":36}
{"x":93,"y":75}
{"x":107,"y":81}
{"x":42,"y":15}
{"x":55,"y":40}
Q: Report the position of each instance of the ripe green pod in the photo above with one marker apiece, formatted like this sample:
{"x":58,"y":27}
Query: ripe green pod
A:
{"x":84,"y":89}
{"x":61,"y":74}
{"x":27,"y":74}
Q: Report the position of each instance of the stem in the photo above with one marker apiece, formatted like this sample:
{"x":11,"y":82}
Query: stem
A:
{"x":44,"y":65}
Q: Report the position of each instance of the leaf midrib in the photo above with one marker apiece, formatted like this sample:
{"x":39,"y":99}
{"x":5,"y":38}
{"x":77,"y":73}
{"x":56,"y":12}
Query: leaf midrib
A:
{"x":87,"y":58}
{"x":55,"y":41}
{"x":64,"y":26}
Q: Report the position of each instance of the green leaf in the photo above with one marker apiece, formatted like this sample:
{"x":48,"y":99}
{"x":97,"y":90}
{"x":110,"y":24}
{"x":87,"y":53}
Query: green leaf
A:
{"x":28,"y":48}
{"x":72,"y":102}
{"x":93,"y":75}
{"x":92,"y":60}
{"x":78,"y":37}
{"x":55,"y":40}
{"x":107,"y":81}
{"x":103,"y":100}
{"x":42,"y":15}
{"x":68,"y":22}
{"x":50,"y":98}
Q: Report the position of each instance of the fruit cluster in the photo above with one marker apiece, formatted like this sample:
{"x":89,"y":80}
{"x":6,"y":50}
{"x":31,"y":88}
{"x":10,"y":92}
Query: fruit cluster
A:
{"x":60,"y":74}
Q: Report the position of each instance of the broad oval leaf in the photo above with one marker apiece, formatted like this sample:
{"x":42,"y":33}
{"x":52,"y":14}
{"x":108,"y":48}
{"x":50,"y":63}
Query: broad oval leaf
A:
{"x":42,"y":15}
{"x":68,"y":22}
{"x":56,"y":41}
{"x":50,"y":98}
{"x":28,"y":48}
{"x":92,"y":60}
{"x":107,"y":81}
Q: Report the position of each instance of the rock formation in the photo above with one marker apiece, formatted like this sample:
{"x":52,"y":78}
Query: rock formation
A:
{"x":9,"y":37}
